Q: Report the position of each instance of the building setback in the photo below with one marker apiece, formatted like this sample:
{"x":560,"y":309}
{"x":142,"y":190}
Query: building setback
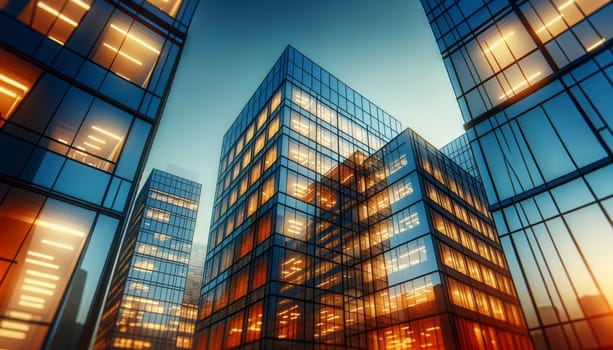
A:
{"x":460,"y":152}
{"x":534,"y":82}
{"x":145,"y":307}
{"x":328,"y":232}
{"x":82,"y":88}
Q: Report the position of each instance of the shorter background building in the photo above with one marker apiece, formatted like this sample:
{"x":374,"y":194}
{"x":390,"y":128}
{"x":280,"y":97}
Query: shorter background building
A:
{"x":460,"y":152}
{"x":146,"y":305}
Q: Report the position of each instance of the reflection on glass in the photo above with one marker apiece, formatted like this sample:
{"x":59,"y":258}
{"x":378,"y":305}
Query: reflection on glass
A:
{"x":129,"y":49}
{"x":169,"y":6}
{"x":16,"y":79}
{"x":56,"y":19}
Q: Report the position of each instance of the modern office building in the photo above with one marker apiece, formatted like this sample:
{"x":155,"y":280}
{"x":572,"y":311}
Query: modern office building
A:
{"x":145,"y":305}
{"x":534,"y":81}
{"x":323,"y":238}
{"x":82,"y":88}
{"x":460,"y":152}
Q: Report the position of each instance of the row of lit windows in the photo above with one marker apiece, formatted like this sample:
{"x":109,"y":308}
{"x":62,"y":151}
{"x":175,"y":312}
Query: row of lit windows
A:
{"x":249,"y":153}
{"x":477,"y":271}
{"x":504,"y":60}
{"x":395,"y":225}
{"x":454,"y":182}
{"x":383,"y":201}
{"x":238,"y":248}
{"x":401,"y":297}
{"x":422,"y":334}
{"x":473,"y":299}
{"x":467,"y":240}
{"x":243,"y":142}
{"x":162,"y":253}
{"x":237,"y":214}
{"x":460,"y":212}
{"x":173,"y":199}
{"x":243,"y":327}
{"x":338,"y":122}
{"x":474,"y":335}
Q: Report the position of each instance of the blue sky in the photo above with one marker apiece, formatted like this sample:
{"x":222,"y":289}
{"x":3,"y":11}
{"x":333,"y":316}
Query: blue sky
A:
{"x":385,"y":50}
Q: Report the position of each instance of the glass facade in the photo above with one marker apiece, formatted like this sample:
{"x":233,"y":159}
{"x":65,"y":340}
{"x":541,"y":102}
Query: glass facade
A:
{"x":534,"y":80}
{"x":326,"y":233}
{"x":148,"y":306}
{"x":460,"y":152}
{"x":82,"y":87}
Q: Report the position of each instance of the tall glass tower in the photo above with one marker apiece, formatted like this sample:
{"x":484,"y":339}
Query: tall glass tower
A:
{"x":145,"y":305}
{"x":534,"y":81}
{"x":82,"y":87}
{"x":322,"y":237}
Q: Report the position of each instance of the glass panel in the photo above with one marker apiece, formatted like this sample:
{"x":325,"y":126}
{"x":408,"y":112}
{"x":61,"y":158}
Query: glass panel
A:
{"x":128,"y":49}
{"x":169,"y":6}
{"x":16,"y":79}
{"x":33,"y":289}
{"x":56,"y":19}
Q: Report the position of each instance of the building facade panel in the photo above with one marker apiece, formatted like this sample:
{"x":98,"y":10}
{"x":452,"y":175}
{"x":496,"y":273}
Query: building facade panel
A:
{"x":82,"y":84}
{"x":331,"y":241}
{"x":542,"y":152}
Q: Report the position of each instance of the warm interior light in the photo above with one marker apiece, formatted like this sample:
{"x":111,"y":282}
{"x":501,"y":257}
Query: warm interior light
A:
{"x":32,"y":299}
{"x":13,"y":82}
{"x":554,"y":20}
{"x":40,"y":255}
{"x":510,"y":93}
{"x":107,"y":133}
{"x":81,"y":4}
{"x":39,"y":283}
{"x":57,"y":244}
{"x":497,"y":42}
{"x":5,"y":333}
{"x":36,"y":290}
{"x":135,"y":38}
{"x":18,"y":326}
{"x":57,"y":14}
{"x":60,"y":228}
{"x":566,"y":4}
{"x":94,"y":138}
{"x":42,"y":263}
{"x":596,"y":44}
{"x":20,"y":315}
{"x":123,"y":54}
{"x":30,"y":305}
{"x":92,"y":146}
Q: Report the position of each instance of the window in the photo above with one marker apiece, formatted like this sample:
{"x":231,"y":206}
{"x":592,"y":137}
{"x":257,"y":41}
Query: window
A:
{"x":16,"y":79}
{"x":56,"y":19}
{"x":128,"y":49}
{"x":170,"y":7}
{"x":270,"y":157}
{"x":254,"y":323}
{"x":268,"y":189}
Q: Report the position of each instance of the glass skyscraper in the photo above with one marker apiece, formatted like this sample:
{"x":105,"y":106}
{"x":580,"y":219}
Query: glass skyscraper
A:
{"x":534,"y":81}
{"x":82,"y":87}
{"x":145,"y":305}
{"x":328,"y":233}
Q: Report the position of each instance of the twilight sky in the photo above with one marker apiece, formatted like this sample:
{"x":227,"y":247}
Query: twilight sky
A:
{"x":382,"y":49}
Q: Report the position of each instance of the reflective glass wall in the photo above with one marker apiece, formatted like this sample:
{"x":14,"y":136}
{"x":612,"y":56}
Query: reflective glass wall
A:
{"x":314,"y":243}
{"x":82,"y":87}
{"x":460,"y":152}
{"x":534,"y":81}
{"x":145,"y":308}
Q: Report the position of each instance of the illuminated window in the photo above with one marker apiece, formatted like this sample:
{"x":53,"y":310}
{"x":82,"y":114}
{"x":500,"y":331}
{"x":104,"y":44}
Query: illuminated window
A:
{"x":16,"y":79}
{"x":302,"y":155}
{"x":295,"y":224}
{"x":252,"y":203}
{"x":268,"y":189}
{"x":34,"y":286}
{"x":288,"y":319}
{"x":249,"y":133}
{"x":273,"y":127}
{"x":270,"y":157}
{"x":170,"y":7}
{"x":256,"y":171}
{"x":259,"y":144}
{"x":264,"y":228}
{"x":261,"y":120}
{"x":172,"y":199}
{"x":234,"y":330}
{"x":299,"y":186}
{"x":254,"y":322}
{"x":302,"y":125}
{"x":128,"y":49}
{"x":56,"y":19}
{"x":158,"y":215}
{"x":275,"y":101}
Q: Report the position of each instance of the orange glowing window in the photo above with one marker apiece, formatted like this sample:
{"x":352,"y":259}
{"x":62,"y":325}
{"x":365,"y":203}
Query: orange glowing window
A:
{"x":264,"y":228}
{"x":268,"y":189}
{"x":128,"y":49}
{"x":239,"y":287}
{"x":288,"y":319}
{"x":169,"y":6}
{"x":259,"y":273}
{"x":270,"y":157}
{"x":56,"y":19}
{"x":254,"y":323}
{"x":246,"y":244}
{"x":16,"y":79}
{"x":234,"y":330}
